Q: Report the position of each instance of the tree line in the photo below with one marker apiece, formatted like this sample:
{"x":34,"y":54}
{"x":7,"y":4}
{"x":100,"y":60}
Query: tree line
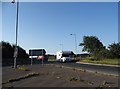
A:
{"x":90,"y":44}
{"x":8,"y":54}
{"x":8,"y":50}
{"x":97,"y":50}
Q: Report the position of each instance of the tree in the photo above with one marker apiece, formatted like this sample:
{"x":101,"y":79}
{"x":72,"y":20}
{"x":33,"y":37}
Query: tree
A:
{"x":22,"y":53}
{"x":91,"y":44}
{"x":7,"y":50}
{"x":114,"y":50}
{"x":103,"y":53}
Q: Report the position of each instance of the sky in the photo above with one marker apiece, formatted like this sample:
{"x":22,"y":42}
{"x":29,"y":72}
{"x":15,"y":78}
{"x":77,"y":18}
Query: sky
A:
{"x":49,"y":24}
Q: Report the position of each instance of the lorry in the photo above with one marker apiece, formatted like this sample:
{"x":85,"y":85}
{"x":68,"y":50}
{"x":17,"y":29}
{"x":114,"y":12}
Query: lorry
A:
{"x":64,"y":56}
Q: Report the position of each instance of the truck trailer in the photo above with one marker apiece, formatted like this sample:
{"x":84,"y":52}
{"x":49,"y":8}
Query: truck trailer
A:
{"x":64,"y":56}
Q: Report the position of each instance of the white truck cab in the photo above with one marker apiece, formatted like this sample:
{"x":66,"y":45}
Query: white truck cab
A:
{"x":64,"y":56}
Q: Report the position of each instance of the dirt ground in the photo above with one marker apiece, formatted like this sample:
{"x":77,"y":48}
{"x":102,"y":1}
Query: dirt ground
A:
{"x":51,"y":75}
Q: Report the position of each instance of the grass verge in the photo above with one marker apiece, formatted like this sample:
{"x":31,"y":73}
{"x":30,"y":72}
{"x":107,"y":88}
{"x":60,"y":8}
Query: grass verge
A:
{"x":22,"y":67}
{"x":101,"y":61}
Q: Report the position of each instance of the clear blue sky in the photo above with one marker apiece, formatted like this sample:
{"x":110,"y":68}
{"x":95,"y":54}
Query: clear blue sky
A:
{"x":46,"y":25}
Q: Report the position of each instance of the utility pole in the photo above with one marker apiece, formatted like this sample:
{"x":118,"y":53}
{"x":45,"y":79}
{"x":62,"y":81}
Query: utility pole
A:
{"x":75,"y":46}
{"x":31,"y":57}
{"x":16,"y":47}
{"x":42,"y":56}
{"x":75,"y":42}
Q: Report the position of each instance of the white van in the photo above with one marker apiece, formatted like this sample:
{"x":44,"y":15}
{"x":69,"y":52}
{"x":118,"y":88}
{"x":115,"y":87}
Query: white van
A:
{"x":64,"y":56}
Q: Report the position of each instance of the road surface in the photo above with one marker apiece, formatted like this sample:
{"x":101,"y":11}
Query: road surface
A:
{"x":91,"y":68}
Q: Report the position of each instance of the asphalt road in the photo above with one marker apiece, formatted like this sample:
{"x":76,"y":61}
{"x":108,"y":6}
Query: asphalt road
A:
{"x":54,"y":76}
{"x":91,"y":68}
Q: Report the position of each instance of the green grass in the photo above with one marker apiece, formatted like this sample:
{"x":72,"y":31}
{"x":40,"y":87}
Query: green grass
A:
{"x":22,"y":67}
{"x":102,"y":61}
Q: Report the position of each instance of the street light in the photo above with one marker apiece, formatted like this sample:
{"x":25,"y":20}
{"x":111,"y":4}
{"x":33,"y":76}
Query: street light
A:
{"x":75,"y":42}
{"x":61,"y":46}
{"x":16,"y":48}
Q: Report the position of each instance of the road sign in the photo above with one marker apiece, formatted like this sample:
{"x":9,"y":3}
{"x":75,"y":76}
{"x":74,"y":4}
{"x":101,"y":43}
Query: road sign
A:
{"x":36,"y":52}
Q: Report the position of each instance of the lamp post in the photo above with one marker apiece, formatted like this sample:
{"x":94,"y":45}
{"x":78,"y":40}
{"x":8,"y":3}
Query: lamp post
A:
{"x":75,"y":42}
{"x":16,"y":48}
{"x":61,"y":46}
{"x":42,"y":56}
